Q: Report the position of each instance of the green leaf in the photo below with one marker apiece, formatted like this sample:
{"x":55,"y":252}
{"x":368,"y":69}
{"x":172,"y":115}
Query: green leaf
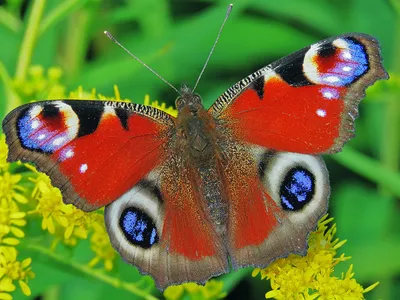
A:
{"x":370,"y":169}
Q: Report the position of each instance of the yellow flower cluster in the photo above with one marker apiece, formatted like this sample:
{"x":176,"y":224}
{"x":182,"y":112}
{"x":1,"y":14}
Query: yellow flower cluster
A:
{"x":100,"y":245}
{"x":12,"y":220}
{"x":311,"y":276}
{"x":40,"y":84}
{"x":65,"y":222}
{"x":212,"y":290}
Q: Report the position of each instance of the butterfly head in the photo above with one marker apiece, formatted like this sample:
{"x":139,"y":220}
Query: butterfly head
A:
{"x":189,"y":100}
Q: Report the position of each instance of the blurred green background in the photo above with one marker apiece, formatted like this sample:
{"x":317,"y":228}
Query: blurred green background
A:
{"x":174,"y":38}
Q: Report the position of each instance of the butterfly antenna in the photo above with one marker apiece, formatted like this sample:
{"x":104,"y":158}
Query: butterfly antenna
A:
{"x":228,"y":12}
{"x":139,"y":60}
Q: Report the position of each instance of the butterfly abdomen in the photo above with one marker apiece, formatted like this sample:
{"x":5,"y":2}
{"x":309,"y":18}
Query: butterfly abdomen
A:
{"x":211,"y":189}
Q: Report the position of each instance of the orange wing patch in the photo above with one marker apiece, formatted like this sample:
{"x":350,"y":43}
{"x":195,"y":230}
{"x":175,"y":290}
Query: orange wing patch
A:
{"x":252,"y":213}
{"x":187,"y":230}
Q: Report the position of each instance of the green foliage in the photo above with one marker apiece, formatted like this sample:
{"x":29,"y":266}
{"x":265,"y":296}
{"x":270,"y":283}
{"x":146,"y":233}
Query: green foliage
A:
{"x":174,"y":38}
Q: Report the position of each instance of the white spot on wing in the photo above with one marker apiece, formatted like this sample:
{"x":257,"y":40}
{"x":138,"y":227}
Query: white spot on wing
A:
{"x":41,"y":136}
{"x":69,"y":153}
{"x":268,"y":75}
{"x":340,"y":43}
{"x":309,"y":67}
{"x":346,"y":54}
{"x":70,"y":117}
{"x":108,"y":111}
{"x":58,"y":141}
{"x":35,"y":124}
{"x":83,"y":168}
{"x":35,"y":110}
{"x":330,"y":93}
{"x":347,"y":69}
{"x":331,"y":79}
{"x":321,"y":113}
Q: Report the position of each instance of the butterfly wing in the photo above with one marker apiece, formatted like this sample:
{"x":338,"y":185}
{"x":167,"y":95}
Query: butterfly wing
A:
{"x":121,"y":155}
{"x":171,"y":238}
{"x":303,"y":104}
{"x":93,"y":151}
{"x":307,"y":101}
{"x":276,"y":199}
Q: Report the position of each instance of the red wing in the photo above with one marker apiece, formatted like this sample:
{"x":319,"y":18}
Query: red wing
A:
{"x":93,"y":151}
{"x":306,"y":102}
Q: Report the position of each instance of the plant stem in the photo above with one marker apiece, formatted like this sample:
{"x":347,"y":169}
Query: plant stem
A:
{"x":29,"y":40}
{"x":11,"y":96}
{"x":52,"y":293}
{"x":76,"y":41}
{"x":59,"y":13}
{"x":9,"y":21}
{"x":89,"y":272}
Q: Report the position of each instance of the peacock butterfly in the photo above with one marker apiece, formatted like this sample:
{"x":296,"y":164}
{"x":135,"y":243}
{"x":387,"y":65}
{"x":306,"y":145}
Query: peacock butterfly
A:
{"x":237,"y":185}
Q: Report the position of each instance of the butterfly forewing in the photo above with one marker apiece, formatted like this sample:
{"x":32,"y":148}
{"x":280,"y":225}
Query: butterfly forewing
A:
{"x":92,"y":150}
{"x":306,"y":102}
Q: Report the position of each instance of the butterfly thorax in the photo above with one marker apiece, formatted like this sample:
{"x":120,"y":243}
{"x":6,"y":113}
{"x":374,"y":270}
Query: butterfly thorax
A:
{"x":195,"y":127}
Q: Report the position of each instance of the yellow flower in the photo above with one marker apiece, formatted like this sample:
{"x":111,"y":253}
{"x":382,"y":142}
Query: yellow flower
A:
{"x":3,"y":154}
{"x":81,"y":94}
{"x":311,"y":276}
{"x":101,"y":246}
{"x":213,"y":289}
{"x":39,"y":85}
{"x":49,"y":201}
{"x":10,"y":218}
{"x":9,"y":188}
{"x":172,"y":111}
{"x":64,"y":221}
{"x":13,"y":270}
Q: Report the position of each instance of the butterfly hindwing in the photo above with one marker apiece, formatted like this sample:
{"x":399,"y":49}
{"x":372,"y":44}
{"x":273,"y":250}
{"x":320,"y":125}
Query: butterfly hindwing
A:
{"x":307,"y":101}
{"x":275,"y":200}
{"x":92,"y":150}
{"x":160,"y":226}
{"x":295,"y":192}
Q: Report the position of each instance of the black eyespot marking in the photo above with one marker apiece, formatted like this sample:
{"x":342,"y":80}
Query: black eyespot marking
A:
{"x":138,"y":228}
{"x":152,"y":188}
{"x":88,"y":118}
{"x":297,"y":189}
{"x":262,"y":166}
{"x":50,"y":111}
{"x":258,"y":86}
{"x":327,"y":50}
{"x":292,"y":72}
{"x":122,"y":114}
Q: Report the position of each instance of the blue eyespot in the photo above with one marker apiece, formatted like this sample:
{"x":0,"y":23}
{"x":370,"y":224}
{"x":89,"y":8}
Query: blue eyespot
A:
{"x":43,"y":128}
{"x":138,"y":227}
{"x":297,"y":189}
{"x":353,"y":64}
